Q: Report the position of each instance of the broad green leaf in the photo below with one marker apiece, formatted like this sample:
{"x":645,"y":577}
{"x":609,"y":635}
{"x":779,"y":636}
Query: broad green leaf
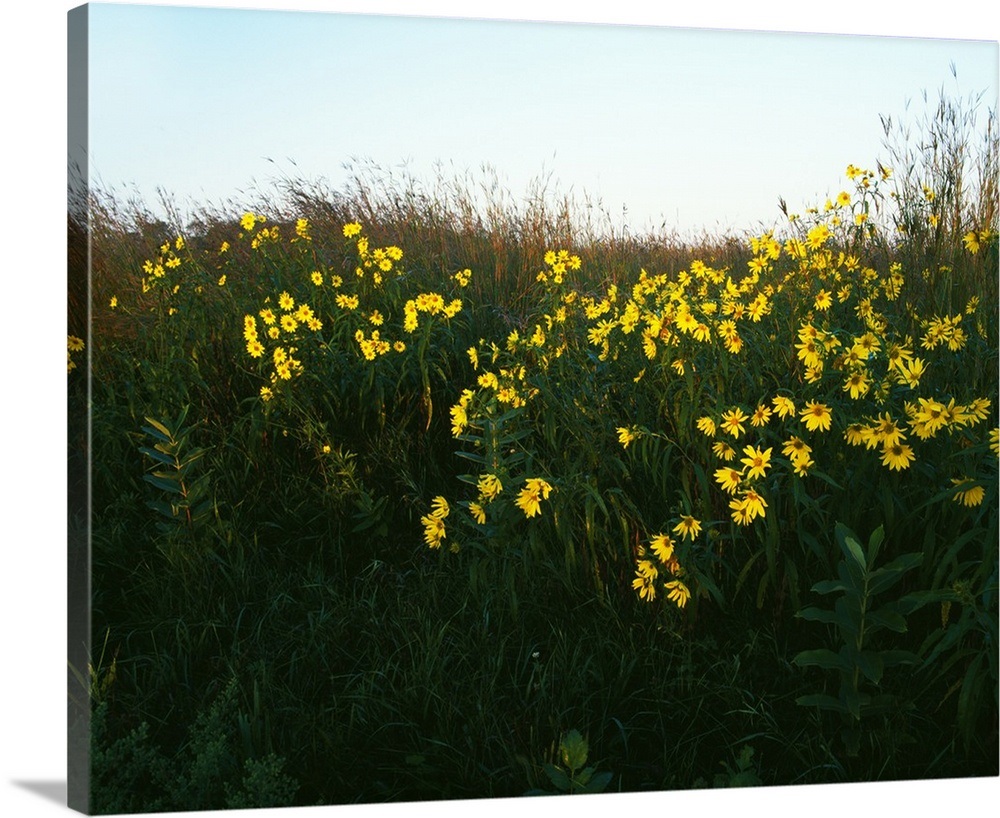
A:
{"x":163,"y":508}
{"x":871,"y":665}
{"x":821,"y":657}
{"x":848,"y":614}
{"x":163,"y":483}
{"x":855,"y":552}
{"x":891,"y":658}
{"x":599,"y":783}
{"x":822,"y":701}
{"x":887,"y":618}
{"x":159,"y":456}
{"x":558,"y":777}
{"x":818,"y":615}
{"x":156,"y":433}
{"x":159,"y":427}
{"x":874,"y":544}
{"x":889,"y":574}
{"x":573,"y":749}
{"x":828,"y":586}
{"x":851,"y":699}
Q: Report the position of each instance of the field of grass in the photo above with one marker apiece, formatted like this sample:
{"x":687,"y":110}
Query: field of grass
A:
{"x":404,"y":492}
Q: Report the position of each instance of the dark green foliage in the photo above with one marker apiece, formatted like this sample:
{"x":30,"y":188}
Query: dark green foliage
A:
{"x":275,"y":631}
{"x":858,"y":619}
{"x":131,"y":774}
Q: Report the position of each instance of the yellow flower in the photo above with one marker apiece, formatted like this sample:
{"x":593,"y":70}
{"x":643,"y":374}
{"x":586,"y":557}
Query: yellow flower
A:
{"x":255,"y":348}
{"x":489,"y":486}
{"x":247,"y":221}
{"x":478,"y":513}
{"x":434,"y":530}
{"x":857,"y":384}
{"x":351,"y":230}
{"x":317,"y":277}
{"x":643,"y":583}
{"x":626,"y":435}
{"x":677,"y":592}
{"x":530,"y":497}
{"x":760,"y":416}
{"x":114,"y":301}
{"x":854,"y":434}
{"x":440,"y":508}
{"x":967,"y":492}
{"x":816,"y":416}
{"x":266,"y":394}
{"x":285,"y":301}
{"x":897,"y":456}
{"x":688,"y":527}
{"x":796,"y":449}
{"x":732,"y":421}
{"x":728,"y":478}
{"x":745,"y":509}
{"x":783,"y":406}
{"x":706,"y":426}
{"x":758,"y":461}
{"x":971,"y":242}
{"x":663,"y":547}
{"x":723,"y":451}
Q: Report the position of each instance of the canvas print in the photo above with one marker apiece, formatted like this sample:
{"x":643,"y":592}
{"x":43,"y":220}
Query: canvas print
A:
{"x":471,"y":409}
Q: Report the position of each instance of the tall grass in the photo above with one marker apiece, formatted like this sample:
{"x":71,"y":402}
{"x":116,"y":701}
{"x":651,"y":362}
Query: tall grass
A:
{"x":274,"y":625}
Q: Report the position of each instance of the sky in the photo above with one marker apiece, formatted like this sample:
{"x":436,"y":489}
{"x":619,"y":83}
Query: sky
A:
{"x":32,"y":413}
{"x":660,"y":127}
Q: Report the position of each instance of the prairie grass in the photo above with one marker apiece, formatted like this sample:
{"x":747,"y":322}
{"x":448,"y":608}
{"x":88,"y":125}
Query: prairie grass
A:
{"x":396,"y":486}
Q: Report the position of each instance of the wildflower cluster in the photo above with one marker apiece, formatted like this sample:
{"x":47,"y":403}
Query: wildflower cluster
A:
{"x":658,"y":563}
{"x":155,"y":269}
{"x":324,"y":316}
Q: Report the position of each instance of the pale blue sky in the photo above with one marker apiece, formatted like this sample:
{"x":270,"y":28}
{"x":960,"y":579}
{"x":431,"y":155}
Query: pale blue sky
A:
{"x":690,"y":127}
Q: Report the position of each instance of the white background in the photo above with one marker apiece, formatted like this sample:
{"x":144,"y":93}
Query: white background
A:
{"x":32,"y":470}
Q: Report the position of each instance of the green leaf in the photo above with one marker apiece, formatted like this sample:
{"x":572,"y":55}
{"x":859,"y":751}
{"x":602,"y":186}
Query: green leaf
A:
{"x":163,"y":483}
{"x":891,"y":658}
{"x":159,"y":456}
{"x":853,"y":550}
{"x":822,"y":701}
{"x":573,"y":749}
{"x":158,"y":435}
{"x":821,"y":657}
{"x":887,"y":618}
{"x":475,"y":458}
{"x":871,"y":665}
{"x":874,"y":544}
{"x":851,"y":699}
{"x":818,"y":615}
{"x":889,"y":574}
{"x":558,"y":777}
{"x":828,"y":586}
{"x":167,"y":510}
{"x":158,"y":428}
{"x":848,"y":615}
{"x":598,"y":783}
